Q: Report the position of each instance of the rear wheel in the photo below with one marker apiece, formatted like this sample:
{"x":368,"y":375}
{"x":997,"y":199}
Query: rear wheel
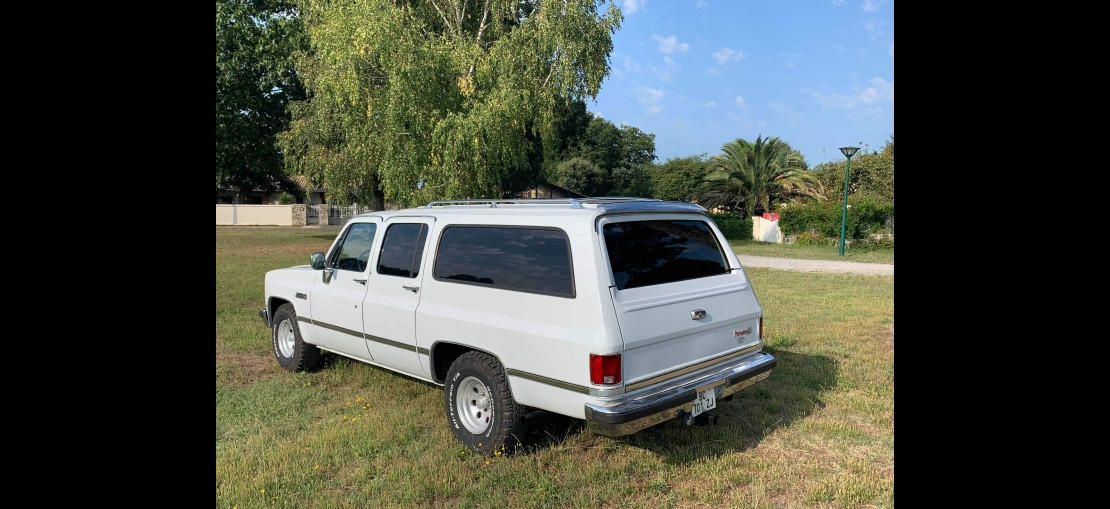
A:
{"x":480,"y":407}
{"x":291,"y":351}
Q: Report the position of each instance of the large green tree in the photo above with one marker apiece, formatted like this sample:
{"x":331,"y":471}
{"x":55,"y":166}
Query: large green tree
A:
{"x":255,"y":78}
{"x":622,"y":153}
{"x":413,"y":100}
{"x":676,"y":179}
{"x":872,"y":175}
{"x":752,"y":177}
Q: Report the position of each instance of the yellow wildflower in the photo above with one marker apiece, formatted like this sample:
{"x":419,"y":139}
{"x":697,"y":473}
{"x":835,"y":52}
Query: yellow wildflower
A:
{"x":317,"y":467}
{"x":487,"y":462}
{"x":263,"y":491}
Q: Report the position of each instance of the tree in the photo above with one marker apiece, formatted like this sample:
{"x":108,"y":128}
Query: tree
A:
{"x":676,"y":179}
{"x":872,"y":175}
{"x":255,"y":78}
{"x":581,"y":176}
{"x":753,"y":176}
{"x":621,"y":152}
{"x":442,"y":99}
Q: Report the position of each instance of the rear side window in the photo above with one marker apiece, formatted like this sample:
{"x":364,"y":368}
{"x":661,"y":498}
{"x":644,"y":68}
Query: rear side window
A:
{"x":402,"y":248}
{"x":645,"y":253}
{"x":532,"y":260}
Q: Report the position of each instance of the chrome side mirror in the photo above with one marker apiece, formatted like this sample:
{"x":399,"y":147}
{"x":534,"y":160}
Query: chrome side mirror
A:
{"x":318,"y":260}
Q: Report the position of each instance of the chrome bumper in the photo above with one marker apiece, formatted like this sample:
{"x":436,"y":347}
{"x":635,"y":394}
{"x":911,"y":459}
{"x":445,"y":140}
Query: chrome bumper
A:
{"x":629,"y":415}
{"x":265,"y":315}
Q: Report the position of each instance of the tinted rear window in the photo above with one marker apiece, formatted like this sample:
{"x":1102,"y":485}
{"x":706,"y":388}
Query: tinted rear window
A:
{"x":645,"y":253}
{"x":521,"y":259}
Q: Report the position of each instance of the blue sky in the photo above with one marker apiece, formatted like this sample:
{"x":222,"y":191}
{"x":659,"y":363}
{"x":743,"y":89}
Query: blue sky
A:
{"x":700,"y":73}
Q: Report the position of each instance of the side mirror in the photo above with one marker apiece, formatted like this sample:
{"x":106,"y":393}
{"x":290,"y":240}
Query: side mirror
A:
{"x":318,"y":261}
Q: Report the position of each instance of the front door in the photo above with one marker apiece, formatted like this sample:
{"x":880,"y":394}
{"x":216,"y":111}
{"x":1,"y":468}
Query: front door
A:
{"x":393,"y":292}
{"x":337,"y":296}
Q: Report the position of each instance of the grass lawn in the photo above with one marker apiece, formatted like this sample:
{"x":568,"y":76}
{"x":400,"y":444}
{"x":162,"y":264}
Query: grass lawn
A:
{"x":818,"y":432}
{"x":756,"y":248}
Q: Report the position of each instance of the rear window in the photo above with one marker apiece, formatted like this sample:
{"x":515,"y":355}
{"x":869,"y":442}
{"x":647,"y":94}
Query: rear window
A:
{"x":532,"y":260}
{"x":645,"y":253}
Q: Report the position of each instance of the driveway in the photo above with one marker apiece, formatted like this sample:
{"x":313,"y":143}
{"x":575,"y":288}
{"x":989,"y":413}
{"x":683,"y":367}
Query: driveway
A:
{"x":881,"y":269}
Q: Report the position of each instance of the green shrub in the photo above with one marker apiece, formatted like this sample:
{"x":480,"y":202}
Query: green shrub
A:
{"x":734,"y":226}
{"x":872,"y":244}
{"x":813,"y":239}
{"x":865,"y":216}
{"x":286,"y":199}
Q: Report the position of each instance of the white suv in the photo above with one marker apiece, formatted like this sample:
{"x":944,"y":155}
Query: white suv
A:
{"x":624,"y":312}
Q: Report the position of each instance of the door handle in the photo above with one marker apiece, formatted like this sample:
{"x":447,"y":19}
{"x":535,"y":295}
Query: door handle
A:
{"x":412,"y":289}
{"x":360,"y":281}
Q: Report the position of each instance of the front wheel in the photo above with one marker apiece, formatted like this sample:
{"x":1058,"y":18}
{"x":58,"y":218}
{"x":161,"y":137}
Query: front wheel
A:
{"x":291,"y":351}
{"x":480,"y":407}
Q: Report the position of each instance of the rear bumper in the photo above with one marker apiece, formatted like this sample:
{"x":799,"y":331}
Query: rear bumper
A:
{"x":631,"y":414}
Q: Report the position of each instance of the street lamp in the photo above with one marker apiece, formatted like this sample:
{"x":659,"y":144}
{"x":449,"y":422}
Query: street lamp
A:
{"x":848,"y":152}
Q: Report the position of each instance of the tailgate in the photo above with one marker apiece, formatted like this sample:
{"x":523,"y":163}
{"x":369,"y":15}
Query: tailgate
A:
{"x":680,"y":304}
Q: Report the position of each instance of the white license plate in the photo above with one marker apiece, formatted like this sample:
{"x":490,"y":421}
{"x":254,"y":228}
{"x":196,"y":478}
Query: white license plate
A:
{"x":706,"y":400}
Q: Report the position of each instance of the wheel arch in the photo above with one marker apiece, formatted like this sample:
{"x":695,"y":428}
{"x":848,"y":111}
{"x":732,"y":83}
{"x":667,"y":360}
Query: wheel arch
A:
{"x":274,"y":304}
{"x":443,"y":353}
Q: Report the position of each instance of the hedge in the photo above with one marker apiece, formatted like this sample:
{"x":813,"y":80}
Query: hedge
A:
{"x":865,"y":216}
{"x":734,"y":226}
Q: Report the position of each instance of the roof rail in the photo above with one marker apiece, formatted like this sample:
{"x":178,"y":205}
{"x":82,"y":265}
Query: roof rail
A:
{"x":575,"y":203}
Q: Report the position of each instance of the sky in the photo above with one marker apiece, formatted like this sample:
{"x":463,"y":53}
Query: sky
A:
{"x":819,"y":74}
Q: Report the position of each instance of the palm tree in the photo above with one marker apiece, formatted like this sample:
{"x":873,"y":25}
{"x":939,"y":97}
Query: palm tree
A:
{"x":753,"y":176}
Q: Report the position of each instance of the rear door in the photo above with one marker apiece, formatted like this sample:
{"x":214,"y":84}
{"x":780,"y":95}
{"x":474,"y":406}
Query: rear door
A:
{"x":393,"y":293}
{"x":683,"y":302}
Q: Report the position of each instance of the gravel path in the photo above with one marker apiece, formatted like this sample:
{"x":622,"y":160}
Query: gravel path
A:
{"x":800,"y":265}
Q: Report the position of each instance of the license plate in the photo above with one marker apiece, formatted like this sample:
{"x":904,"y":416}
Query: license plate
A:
{"x":706,"y":400}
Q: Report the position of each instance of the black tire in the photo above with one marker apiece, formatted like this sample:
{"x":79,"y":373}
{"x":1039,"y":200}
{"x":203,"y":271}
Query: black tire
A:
{"x":297,"y":355}
{"x":491,"y":404}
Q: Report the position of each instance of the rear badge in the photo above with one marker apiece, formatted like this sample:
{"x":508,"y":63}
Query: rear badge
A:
{"x":738,"y":333}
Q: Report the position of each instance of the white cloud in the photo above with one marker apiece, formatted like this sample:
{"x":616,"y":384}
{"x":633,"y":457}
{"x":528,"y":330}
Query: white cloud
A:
{"x":651,"y":98}
{"x":839,"y":47}
{"x":728,"y":55}
{"x":701,"y":3}
{"x":839,"y":3}
{"x":664,"y":71}
{"x":869,"y":26}
{"x":740,"y":102}
{"x":792,"y":117}
{"x":880,"y":91}
{"x":712,"y":71}
{"x":670,"y":44}
{"x":631,"y":6}
{"x":870,"y":6}
{"x":710,"y":104}
{"x":891,"y":50}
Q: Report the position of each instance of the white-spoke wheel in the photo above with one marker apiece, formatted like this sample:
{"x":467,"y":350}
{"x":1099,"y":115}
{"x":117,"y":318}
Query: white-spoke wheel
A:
{"x":286,"y":339}
{"x":474,"y":405}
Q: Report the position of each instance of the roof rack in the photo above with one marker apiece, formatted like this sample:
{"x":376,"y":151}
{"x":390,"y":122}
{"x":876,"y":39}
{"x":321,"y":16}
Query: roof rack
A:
{"x":575,"y":203}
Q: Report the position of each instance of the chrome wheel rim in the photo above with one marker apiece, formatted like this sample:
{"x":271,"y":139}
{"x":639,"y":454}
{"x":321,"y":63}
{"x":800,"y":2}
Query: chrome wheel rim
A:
{"x":474,"y":405}
{"x":286,"y":339}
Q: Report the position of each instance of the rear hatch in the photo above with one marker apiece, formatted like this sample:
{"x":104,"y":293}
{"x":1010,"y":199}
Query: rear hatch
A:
{"x":682,"y":303}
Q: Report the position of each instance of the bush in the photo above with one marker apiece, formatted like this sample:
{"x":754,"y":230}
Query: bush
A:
{"x":865,"y":216}
{"x":873,"y":244}
{"x":813,"y":239}
{"x":286,"y":199}
{"x":734,"y":226}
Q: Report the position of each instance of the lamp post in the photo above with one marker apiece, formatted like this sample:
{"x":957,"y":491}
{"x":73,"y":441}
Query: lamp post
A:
{"x":848,"y":152}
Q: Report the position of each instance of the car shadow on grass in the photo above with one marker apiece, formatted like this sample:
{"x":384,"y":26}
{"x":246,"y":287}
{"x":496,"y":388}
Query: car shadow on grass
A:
{"x":793,"y":391}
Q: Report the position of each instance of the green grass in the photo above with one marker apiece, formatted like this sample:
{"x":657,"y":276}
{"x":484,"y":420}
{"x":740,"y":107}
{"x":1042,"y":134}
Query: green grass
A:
{"x":818,"y":432}
{"x":756,"y":248}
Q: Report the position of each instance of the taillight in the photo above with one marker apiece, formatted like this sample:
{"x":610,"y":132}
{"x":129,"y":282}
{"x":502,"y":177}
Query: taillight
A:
{"x":761,"y":328}
{"x":605,"y":369}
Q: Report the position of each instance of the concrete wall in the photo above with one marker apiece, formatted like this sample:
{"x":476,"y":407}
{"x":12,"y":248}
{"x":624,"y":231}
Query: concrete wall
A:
{"x":766,"y":231}
{"x":254,"y":214}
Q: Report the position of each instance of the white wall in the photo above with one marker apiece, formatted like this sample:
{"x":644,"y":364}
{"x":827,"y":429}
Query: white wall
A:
{"x":766,"y":231}
{"x":254,"y":214}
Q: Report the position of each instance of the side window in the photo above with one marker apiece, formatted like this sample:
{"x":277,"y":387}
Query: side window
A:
{"x":532,"y":260}
{"x":402,"y":249}
{"x":353,"y":253}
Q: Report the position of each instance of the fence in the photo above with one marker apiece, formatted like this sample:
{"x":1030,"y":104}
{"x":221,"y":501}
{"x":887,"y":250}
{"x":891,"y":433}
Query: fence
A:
{"x":286,"y":215}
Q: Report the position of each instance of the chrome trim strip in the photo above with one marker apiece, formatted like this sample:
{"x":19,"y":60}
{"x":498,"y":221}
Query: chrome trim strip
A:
{"x":335,"y":328}
{"x":695,"y":367}
{"x":367,"y":337}
{"x":549,"y":381}
{"x":421,"y":351}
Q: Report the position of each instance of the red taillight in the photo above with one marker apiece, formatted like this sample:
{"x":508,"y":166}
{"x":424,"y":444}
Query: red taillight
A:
{"x":605,"y":369}
{"x":761,"y":327}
